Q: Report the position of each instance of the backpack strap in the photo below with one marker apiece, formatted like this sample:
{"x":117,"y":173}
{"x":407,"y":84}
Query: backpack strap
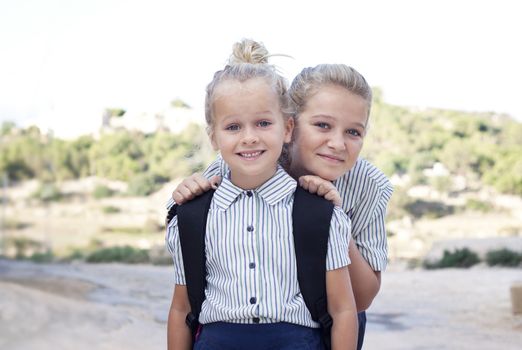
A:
{"x":170,"y":214}
{"x":192,"y":224}
{"x":311,"y":217}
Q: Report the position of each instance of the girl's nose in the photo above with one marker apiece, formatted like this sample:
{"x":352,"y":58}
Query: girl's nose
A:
{"x":250,"y":136}
{"x":337,"y":142}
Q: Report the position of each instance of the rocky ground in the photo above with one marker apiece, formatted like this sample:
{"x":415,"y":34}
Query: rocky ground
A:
{"x":113,"y":307}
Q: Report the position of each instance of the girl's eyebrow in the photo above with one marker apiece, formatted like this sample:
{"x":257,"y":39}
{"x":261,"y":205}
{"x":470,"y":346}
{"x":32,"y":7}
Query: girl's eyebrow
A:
{"x":326,"y":116}
{"x":322,"y":116}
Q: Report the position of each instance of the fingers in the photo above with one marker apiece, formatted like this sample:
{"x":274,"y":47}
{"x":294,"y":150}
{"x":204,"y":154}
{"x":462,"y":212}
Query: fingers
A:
{"x":182,"y":194}
{"x":334,"y":197}
{"x":308,"y":183}
{"x":321,"y":187}
{"x":315,"y":184}
{"x":191,"y":187}
{"x":215,"y":181}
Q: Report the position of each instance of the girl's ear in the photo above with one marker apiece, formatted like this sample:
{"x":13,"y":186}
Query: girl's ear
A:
{"x":289,"y":128}
{"x":213,"y":142}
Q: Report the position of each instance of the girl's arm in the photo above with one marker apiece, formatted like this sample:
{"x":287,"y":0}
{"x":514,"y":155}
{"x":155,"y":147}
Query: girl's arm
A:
{"x":341,"y":306}
{"x":366,"y":282}
{"x":178,"y":333}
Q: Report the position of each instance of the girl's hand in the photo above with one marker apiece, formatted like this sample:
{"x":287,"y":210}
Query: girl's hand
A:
{"x":323,"y":188}
{"x":193,"y":186}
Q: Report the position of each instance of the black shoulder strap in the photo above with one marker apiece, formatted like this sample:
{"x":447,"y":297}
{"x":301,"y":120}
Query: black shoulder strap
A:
{"x":192,"y":224}
{"x":170,"y":214}
{"x":311,"y":217}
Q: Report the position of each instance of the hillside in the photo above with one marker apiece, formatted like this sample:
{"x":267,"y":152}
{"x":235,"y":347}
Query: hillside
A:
{"x":457,"y":177}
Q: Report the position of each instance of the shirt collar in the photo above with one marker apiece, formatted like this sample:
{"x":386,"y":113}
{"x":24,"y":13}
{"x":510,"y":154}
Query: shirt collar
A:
{"x":272,"y":191}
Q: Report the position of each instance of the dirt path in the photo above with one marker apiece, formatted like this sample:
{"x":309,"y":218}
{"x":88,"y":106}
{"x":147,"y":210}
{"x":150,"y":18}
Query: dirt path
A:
{"x":114,"y":307}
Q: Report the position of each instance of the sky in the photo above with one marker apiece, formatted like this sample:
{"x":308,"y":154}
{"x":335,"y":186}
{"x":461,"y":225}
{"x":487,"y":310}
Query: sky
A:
{"x":62,"y":62}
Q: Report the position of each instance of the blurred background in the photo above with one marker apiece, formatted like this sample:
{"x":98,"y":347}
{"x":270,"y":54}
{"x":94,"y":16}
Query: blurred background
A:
{"x":101,"y":112}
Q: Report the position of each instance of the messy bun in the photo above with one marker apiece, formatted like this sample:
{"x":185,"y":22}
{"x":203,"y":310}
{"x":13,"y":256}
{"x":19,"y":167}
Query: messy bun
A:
{"x":248,"y":51}
{"x":249,"y":60}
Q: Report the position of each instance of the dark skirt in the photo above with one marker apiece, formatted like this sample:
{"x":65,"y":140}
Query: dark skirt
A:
{"x":280,"y":336}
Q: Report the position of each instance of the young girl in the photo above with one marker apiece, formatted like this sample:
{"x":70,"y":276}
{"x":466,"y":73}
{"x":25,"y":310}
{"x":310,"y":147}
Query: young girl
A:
{"x":331,"y":106}
{"x":252,"y":298}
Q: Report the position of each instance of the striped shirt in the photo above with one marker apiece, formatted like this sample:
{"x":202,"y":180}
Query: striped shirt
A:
{"x":251,"y":264}
{"x":365,"y":192}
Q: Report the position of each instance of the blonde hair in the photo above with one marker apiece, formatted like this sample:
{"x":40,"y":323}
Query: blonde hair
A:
{"x":249,"y":60}
{"x":311,"y":79}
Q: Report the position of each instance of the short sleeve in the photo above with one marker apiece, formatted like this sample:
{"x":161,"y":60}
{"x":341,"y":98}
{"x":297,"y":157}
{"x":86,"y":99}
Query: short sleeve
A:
{"x":174,"y":248}
{"x":218,"y":167}
{"x":338,"y":240}
{"x":365,"y":192}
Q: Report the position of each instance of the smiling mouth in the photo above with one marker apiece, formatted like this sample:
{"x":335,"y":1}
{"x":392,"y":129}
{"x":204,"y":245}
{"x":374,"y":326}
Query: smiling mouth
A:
{"x":250,"y":155}
{"x":331,"y":158}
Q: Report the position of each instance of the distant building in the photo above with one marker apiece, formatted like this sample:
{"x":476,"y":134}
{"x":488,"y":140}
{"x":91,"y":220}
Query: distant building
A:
{"x":172,"y":119}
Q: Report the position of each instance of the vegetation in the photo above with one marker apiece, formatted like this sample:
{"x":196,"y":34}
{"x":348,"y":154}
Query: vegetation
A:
{"x":478,"y":205}
{"x":102,"y":191}
{"x":462,"y":258}
{"x":124,"y":254}
{"x":110,"y":209}
{"x":504,"y":257}
{"x":143,"y":160}
{"x":115,"y":112}
{"x":485,"y":148}
{"x":48,"y":192}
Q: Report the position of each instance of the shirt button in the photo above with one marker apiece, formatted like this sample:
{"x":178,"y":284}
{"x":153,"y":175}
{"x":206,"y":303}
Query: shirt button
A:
{"x":250,"y":228}
{"x":252,"y":265}
{"x":249,"y":193}
{"x":256,"y":320}
{"x":253,"y":300}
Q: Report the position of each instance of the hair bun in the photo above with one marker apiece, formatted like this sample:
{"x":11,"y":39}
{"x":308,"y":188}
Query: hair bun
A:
{"x":248,"y":51}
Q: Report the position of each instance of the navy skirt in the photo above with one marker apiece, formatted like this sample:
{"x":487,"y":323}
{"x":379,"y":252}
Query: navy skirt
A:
{"x":280,"y":336}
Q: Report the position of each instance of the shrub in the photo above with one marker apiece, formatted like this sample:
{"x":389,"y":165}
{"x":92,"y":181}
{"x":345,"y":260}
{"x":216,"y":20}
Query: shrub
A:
{"x":132,"y":230}
{"x":24,"y":247}
{"x":102,"y":191}
{"x":11,"y":224}
{"x":42,"y":257}
{"x":145,"y":184}
{"x":478,"y":205}
{"x":74,"y":255}
{"x":111,"y":209}
{"x":125,"y":254}
{"x":462,"y":258}
{"x":429,"y":209}
{"x":48,"y":192}
{"x":503,"y":257}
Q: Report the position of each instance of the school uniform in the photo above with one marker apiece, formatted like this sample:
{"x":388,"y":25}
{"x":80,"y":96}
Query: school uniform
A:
{"x":251,"y":265}
{"x":365,"y":192}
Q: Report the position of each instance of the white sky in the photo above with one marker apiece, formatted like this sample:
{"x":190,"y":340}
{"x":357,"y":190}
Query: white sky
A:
{"x":63,"y":62}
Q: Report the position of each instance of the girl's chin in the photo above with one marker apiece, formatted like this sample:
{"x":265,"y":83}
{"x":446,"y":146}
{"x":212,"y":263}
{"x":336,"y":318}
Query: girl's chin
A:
{"x":329,"y":176}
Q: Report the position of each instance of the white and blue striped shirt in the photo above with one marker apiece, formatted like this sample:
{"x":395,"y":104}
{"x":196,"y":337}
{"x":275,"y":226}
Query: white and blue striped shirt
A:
{"x":365,"y":192}
{"x":251,"y":265}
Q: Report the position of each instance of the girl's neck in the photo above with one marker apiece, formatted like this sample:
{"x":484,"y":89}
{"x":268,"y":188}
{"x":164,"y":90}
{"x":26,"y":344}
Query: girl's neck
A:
{"x":250,"y":182}
{"x":294,"y":171}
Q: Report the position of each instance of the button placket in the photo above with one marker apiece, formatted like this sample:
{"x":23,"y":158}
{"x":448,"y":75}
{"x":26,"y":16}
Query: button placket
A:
{"x":252,"y":265}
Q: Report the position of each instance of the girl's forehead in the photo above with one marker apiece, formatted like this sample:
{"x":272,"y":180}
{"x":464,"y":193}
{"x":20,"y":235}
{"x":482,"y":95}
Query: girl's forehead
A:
{"x":234,"y":86}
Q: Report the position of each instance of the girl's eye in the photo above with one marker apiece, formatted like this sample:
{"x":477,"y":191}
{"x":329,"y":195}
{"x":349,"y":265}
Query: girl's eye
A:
{"x":264,"y":123}
{"x":322,"y":125}
{"x":353,"y":132}
{"x":232,"y":127}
